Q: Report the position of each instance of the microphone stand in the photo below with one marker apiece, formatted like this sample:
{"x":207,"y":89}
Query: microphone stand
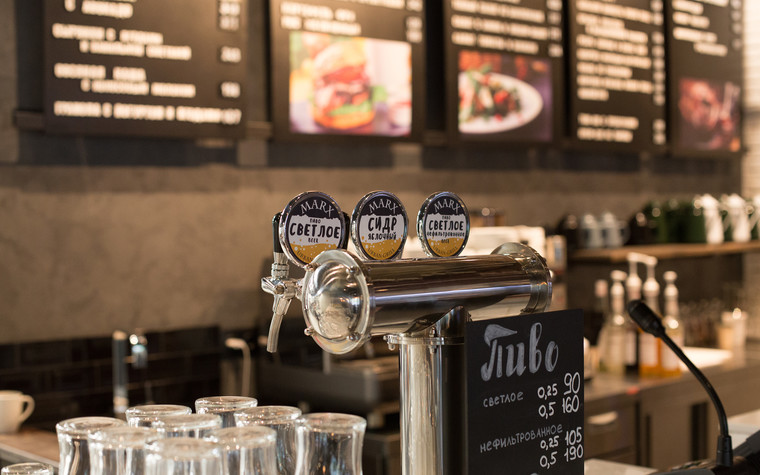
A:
{"x":651,"y":323}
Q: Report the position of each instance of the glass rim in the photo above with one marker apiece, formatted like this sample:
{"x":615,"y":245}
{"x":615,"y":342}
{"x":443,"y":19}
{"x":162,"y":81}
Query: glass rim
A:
{"x":268,"y":414}
{"x":335,"y":422}
{"x":225,"y":402}
{"x":184,"y":448}
{"x":244,"y":437}
{"x":123,"y":437}
{"x":152,"y":410}
{"x":188,"y":421}
{"x":28,"y":468}
{"x":80,"y":427}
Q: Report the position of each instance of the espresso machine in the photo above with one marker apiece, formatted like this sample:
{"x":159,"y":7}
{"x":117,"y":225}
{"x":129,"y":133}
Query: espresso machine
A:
{"x":419,"y":306}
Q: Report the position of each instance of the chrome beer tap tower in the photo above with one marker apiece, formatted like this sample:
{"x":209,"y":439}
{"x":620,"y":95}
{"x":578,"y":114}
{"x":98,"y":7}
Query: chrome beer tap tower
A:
{"x":421,"y":306}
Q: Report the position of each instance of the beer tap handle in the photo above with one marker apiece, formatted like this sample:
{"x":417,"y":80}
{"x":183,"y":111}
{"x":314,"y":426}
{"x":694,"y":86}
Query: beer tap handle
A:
{"x":276,"y":233}
{"x":279,"y":286}
{"x":300,"y":245}
{"x":344,"y":241}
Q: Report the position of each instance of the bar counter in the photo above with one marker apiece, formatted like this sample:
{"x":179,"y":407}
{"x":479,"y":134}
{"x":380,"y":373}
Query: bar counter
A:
{"x":654,"y":422}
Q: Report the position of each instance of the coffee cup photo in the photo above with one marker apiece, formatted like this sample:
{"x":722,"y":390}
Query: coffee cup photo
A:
{"x":15,"y":408}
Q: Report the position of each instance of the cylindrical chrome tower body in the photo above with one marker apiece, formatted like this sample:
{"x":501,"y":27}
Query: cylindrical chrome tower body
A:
{"x":423,"y":305}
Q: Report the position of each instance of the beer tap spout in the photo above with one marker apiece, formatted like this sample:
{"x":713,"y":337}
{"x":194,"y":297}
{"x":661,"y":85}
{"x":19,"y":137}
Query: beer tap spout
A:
{"x":280,"y":286}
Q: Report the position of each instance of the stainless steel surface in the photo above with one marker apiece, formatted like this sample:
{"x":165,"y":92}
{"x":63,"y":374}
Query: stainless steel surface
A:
{"x":346,"y":301}
{"x":423,"y":305}
{"x":433,"y":397}
{"x":283,"y":289}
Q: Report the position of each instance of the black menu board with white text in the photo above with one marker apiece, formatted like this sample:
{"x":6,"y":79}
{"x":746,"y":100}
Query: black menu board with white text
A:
{"x":504,"y":70}
{"x":174,"y":68}
{"x":525,"y":394}
{"x":617,"y":74}
{"x":705,"y":76}
{"x":347,"y":68}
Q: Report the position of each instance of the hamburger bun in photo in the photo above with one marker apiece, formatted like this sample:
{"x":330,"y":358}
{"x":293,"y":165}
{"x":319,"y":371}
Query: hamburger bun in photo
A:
{"x":342,"y":91}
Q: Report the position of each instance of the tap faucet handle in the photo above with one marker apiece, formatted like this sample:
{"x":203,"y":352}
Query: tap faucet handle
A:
{"x":280,"y":266}
{"x":279,"y":285}
{"x":276,"y":233}
{"x":344,"y":239}
{"x":283,"y":292}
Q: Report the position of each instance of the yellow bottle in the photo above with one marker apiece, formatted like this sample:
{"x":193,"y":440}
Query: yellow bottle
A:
{"x":671,"y":365}
{"x":649,"y":355}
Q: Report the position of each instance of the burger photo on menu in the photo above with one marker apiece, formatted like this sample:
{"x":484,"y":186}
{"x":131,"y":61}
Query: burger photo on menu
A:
{"x":709,"y":113}
{"x":500,"y":93}
{"x":347,"y":85}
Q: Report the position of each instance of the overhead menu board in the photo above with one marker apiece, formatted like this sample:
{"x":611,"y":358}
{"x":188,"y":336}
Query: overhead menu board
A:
{"x":617,"y":74}
{"x":347,"y":68}
{"x":173,"y":68}
{"x":504,"y":70}
{"x":705,"y":48}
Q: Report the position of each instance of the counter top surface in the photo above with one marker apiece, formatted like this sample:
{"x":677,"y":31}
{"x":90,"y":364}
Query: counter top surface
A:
{"x":30,"y":445}
{"x":603,"y":386}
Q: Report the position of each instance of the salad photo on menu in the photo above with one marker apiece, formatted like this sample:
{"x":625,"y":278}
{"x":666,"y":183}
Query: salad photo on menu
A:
{"x":500,"y":93}
{"x":349,"y":85}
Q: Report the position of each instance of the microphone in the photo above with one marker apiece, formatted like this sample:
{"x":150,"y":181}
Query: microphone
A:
{"x":651,"y":323}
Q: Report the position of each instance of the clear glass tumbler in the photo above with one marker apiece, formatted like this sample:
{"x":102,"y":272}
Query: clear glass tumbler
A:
{"x":184,"y":456}
{"x":330,"y":443}
{"x":224,"y":406}
{"x":247,"y":450}
{"x":73,"y":445}
{"x":147,"y":414}
{"x":27,"y":469}
{"x":283,"y":420}
{"x":120,"y":450}
{"x":188,"y":425}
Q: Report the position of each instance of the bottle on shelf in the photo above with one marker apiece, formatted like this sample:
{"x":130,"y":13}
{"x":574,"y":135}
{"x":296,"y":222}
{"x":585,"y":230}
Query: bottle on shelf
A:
{"x":633,"y":281}
{"x":633,"y":289}
{"x":599,"y":311}
{"x":615,"y":337}
{"x":669,"y":362}
{"x":649,"y":355}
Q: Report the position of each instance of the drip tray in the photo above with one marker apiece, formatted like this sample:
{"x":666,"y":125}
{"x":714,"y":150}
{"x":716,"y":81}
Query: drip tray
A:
{"x":361,"y":386}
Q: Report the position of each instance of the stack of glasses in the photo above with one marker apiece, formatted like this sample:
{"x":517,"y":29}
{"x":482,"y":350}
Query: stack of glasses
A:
{"x":227,"y":435}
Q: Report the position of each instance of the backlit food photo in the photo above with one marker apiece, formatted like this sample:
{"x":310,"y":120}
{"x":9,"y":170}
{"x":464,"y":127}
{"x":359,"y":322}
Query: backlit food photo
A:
{"x":500,"y":93}
{"x":342,"y":85}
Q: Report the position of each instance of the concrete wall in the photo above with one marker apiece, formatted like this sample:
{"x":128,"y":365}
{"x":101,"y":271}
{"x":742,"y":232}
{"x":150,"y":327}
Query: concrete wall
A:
{"x":99,"y":234}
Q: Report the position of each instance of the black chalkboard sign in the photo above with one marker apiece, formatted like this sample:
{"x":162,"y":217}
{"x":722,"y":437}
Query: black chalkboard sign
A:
{"x":504,"y":70}
{"x":705,"y":77}
{"x":174,"y":68}
{"x":525,"y":394}
{"x":345,"y":69}
{"x":617,"y":75}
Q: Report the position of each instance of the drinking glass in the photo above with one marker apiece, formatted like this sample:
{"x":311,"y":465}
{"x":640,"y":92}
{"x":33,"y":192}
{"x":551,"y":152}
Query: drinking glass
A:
{"x":247,"y":450}
{"x":224,"y":406}
{"x":183,"y":456}
{"x":73,"y":445}
{"x":283,"y":420}
{"x":330,"y":443}
{"x":146,"y":415}
{"x":188,"y":425}
{"x":27,"y":469}
{"x":120,"y":450}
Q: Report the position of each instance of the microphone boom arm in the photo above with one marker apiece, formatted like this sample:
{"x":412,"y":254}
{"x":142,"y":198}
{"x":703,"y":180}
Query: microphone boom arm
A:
{"x":650,"y":322}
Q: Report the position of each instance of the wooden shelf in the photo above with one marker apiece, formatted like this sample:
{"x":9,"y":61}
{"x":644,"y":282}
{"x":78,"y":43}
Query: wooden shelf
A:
{"x":662,"y":251}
